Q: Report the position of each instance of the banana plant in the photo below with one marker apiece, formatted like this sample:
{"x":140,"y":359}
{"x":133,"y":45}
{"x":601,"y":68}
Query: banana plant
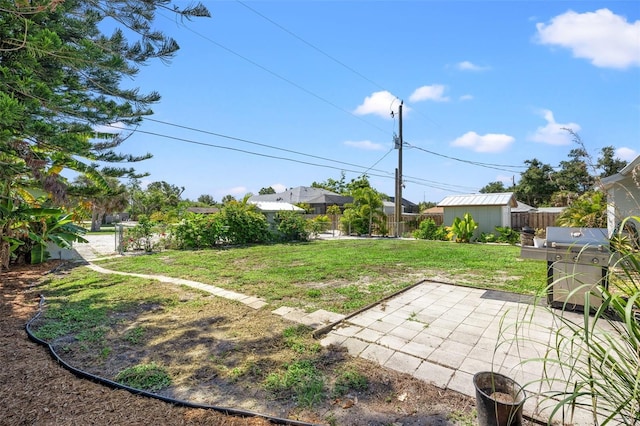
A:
{"x":463,"y":228}
{"x":54,"y":226}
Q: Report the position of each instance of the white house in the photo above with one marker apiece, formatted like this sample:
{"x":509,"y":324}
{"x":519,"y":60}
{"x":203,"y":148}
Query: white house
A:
{"x":623,"y":195}
{"x":271,"y":208}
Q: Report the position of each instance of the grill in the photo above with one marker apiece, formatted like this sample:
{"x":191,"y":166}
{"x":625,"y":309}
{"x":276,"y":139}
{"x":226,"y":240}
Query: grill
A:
{"x":577,"y":260}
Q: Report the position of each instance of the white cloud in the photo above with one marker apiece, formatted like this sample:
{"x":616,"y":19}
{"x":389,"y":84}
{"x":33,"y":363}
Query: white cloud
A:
{"x":365,"y":145}
{"x":379,"y":103}
{"x":278,"y":187}
{"x":434,"y":92}
{"x":602,"y":37}
{"x":470,"y":66}
{"x":491,"y":142}
{"x":626,"y":154}
{"x":554,"y":133}
{"x":466,"y":97}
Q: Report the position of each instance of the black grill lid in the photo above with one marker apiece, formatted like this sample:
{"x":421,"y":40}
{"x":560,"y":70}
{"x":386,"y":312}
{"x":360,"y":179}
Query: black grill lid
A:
{"x":566,"y":236}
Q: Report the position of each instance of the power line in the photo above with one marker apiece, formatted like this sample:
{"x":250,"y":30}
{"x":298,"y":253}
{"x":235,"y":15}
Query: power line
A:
{"x":210,"y":145}
{"x":367,"y":169}
{"x":263,"y":145}
{"x":244,"y":151}
{"x":309,"y":92}
{"x":475,"y":163}
{"x":317,"y":49}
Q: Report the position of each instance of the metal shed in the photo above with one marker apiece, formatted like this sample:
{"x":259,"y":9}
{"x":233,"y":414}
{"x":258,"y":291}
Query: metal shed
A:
{"x":488,"y":210}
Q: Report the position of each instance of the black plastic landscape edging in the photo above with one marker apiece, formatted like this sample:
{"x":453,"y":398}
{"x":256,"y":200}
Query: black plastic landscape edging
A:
{"x":180,"y":403}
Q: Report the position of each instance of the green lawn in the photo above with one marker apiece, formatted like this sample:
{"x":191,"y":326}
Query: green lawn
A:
{"x":343,"y":275}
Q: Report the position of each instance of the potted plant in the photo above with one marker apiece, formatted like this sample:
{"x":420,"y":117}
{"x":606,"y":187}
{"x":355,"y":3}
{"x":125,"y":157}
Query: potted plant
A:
{"x":540,"y":237}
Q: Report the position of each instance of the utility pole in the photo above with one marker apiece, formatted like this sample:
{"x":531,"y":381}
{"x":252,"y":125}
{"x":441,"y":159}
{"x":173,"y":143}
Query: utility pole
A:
{"x":398,"y":206}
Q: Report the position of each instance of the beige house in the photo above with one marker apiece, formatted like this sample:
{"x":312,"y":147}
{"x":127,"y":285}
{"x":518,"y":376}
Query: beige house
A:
{"x":623,"y":195}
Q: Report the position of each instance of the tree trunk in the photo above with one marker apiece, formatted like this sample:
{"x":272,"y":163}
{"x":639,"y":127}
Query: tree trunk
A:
{"x":4,"y":255}
{"x":96,"y":219}
{"x":5,"y":247}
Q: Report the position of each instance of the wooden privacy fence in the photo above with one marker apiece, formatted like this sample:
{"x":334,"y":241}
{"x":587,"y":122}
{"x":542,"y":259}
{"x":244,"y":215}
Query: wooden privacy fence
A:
{"x":533,"y":220}
{"x":518,"y":221}
{"x":411,"y":222}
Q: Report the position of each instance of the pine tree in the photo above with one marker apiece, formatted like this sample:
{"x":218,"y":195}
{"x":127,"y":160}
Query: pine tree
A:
{"x":60,"y":80}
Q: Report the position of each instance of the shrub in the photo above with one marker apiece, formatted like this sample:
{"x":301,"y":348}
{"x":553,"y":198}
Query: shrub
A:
{"x":488,"y":238}
{"x":507,"y":235}
{"x":196,"y":231}
{"x":428,"y":230}
{"x":292,"y":226}
{"x":352,"y":223}
{"x":141,"y":236}
{"x":318,"y":225}
{"x":241,"y":224}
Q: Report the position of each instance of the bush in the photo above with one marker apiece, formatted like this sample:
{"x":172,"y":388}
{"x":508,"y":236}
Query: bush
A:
{"x":141,"y":236}
{"x":507,"y":235}
{"x":241,"y":224}
{"x":198,"y":231}
{"x":352,"y":223}
{"x":292,"y":226}
{"x":318,"y":225}
{"x":464,"y":228}
{"x":488,"y":238}
{"x":428,"y":230}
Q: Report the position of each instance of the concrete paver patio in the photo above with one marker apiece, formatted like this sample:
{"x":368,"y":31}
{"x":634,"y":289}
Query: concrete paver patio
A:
{"x":444,"y":334}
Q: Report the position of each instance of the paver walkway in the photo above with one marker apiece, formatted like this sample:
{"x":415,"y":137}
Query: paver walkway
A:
{"x":440,"y":333}
{"x":103,"y":246}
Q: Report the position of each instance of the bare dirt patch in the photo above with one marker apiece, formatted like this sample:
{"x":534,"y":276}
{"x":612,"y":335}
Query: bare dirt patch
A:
{"x":219,"y":353}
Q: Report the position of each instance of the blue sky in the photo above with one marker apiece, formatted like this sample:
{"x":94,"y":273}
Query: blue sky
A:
{"x":286,"y":93}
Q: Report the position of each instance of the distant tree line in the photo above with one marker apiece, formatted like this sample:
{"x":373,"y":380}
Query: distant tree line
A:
{"x":542,"y":185}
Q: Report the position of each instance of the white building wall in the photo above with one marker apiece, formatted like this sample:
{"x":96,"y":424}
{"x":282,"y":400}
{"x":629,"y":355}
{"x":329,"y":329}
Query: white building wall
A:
{"x":623,"y":201}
